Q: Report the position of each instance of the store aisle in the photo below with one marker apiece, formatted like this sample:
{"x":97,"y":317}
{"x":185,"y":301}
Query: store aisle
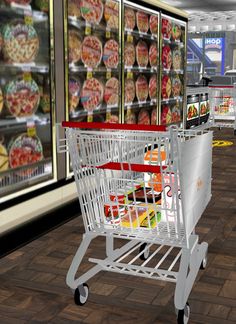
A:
{"x":32,"y":279}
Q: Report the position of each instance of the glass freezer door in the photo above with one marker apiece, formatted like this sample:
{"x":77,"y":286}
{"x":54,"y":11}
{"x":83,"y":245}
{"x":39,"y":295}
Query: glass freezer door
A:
{"x":93,"y":60}
{"x":141,"y":64}
{"x":173,"y":65}
{"x":26,"y":110}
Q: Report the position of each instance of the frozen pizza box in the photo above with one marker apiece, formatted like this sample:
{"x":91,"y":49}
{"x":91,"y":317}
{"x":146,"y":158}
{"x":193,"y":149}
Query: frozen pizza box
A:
{"x":20,"y":42}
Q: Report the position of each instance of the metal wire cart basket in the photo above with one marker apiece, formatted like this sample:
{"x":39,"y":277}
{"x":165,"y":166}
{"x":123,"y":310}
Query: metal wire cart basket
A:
{"x":223,"y":106}
{"x":148,"y":186}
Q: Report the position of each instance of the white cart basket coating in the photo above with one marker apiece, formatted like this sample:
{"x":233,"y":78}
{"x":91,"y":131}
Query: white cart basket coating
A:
{"x":148,"y":186}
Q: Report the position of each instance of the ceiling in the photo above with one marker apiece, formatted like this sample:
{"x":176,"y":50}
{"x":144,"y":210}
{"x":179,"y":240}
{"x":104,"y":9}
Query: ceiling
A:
{"x":203,"y":5}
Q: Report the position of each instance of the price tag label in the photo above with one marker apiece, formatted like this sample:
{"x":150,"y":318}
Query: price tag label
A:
{"x":88,"y":30}
{"x":130,"y":75}
{"x":108,"y":74}
{"x":90,"y":118}
{"x":108,"y":115}
{"x":28,"y":18}
{"x":130,"y":38}
{"x":108,"y":34}
{"x":31,"y":129}
{"x":27,"y":77}
{"x":89,"y":75}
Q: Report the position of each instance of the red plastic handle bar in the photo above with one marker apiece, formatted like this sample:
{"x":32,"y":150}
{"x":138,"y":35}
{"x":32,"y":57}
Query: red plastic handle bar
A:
{"x":134,"y":127}
{"x":131,"y":167}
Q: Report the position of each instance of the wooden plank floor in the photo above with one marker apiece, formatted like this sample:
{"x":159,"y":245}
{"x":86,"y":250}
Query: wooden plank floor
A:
{"x":32,"y":279}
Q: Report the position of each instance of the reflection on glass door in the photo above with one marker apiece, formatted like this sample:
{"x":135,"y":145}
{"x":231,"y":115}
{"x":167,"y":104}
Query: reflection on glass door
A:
{"x":26,"y":152}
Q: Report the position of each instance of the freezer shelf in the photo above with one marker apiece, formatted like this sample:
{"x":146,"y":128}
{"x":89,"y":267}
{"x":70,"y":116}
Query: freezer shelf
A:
{"x":14,"y":179}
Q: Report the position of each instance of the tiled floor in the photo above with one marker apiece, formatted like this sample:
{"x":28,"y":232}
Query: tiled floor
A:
{"x":32,"y":279}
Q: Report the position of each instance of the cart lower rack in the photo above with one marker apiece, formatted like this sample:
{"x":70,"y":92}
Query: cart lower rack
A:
{"x":147,"y":186}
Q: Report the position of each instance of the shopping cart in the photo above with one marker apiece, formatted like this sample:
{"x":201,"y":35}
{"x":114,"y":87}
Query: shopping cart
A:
{"x":152,"y":206}
{"x":223,"y":106}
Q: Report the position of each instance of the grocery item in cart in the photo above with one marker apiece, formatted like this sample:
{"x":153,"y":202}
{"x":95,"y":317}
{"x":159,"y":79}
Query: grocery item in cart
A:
{"x":129,"y":90}
{"x":152,"y":220}
{"x":21,"y":42}
{"x":111,"y":14}
{"x":153,"y":54}
{"x":154,"y":116}
{"x":145,"y":195}
{"x":74,"y":93}
{"x":111,"y":54}
{"x":75,"y":45}
{"x":153,"y":87}
{"x":166,"y":28}
{"x":166,"y":57}
{"x":91,"y":51}
{"x":176,"y":114}
{"x":111,"y":93}
{"x":74,"y":8}
{"x":153,"y":22}
{"x":42,"y":5}
{"x":21,"y":2}
{"x":176,"y":32}
{"x":166,"y":115}
{"x":176,"y":86}
{"x":177,"y":59}
{"x":1,"y":100}
{"x":129,"y":18}
{"x":142,"y":21}
{"x":25,"y":150}
{"x":141,"y":88}
{"x":129,"y":54}
{"x":4,"y":162}
{"x":134,"y":216}
{"x":144,"y":117}
{"x":22,"y":97}
{"x":142,"y":53}
{"x":92,"y":94}
{"x":166,"y":87}
{"x":91,"y":10}
{"x":130,"y":118}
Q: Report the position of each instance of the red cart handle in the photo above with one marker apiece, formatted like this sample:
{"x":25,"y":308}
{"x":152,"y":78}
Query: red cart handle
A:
{"x":131,"y":127}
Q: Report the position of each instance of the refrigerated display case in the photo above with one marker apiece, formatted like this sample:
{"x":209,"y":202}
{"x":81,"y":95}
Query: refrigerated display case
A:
{"x":173,"y":69}
{"x":125,"y":62}
{"x":27,"y":112}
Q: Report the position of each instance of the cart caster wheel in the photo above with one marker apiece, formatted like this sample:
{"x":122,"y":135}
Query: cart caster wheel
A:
{"x":204,"y":263}
{"x":183,"y":315}
{"x":145,"y":254}
{"x":81,"y":294}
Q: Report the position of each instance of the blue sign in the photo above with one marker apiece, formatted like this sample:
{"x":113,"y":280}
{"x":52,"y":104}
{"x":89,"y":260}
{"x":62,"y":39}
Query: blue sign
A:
{"x":214,"y":43}
{"x":217,"y":44}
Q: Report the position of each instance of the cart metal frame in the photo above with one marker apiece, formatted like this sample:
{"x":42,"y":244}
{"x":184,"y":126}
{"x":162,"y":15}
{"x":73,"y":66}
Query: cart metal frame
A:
{"x":148,"y":252}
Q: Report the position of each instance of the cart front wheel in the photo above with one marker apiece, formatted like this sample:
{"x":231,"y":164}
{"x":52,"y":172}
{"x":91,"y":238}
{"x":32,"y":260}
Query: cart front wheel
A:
{"x":81,"y":294}
{"x":183,"y":315}
{"x":145,"y":254}
{"x":204,"y":263}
